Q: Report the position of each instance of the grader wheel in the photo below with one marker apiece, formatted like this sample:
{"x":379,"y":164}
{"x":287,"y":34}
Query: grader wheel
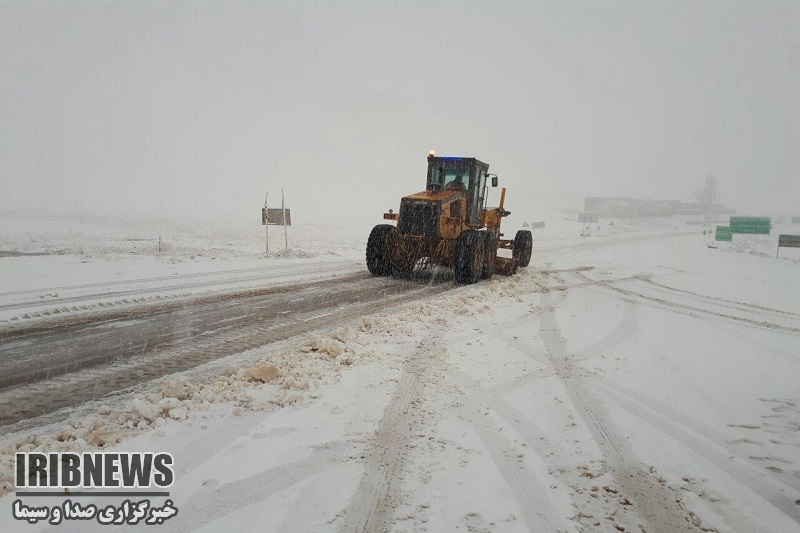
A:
{"x":523,"y":247}
{"x":377,"y":256}
{"x":470,"y":256}
{"x":491,"y":255}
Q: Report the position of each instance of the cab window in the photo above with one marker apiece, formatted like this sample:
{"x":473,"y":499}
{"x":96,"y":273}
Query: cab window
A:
{"x":453,"y":178}
{"x":445,"y":174}
{"x":480,"y":187}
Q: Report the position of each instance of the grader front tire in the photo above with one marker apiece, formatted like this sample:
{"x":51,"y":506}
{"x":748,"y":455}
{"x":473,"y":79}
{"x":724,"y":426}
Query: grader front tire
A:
{"x":523,"y":247}
{"x":377,"y":256}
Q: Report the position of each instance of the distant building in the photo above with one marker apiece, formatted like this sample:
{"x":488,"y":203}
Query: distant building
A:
{"x":633,"y":208}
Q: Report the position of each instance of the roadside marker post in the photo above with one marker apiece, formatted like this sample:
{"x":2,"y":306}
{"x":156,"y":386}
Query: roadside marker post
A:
{"x":266,"y":226}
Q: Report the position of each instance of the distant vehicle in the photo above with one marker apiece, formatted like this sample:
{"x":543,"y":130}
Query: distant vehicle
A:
{"x":449,"y":224}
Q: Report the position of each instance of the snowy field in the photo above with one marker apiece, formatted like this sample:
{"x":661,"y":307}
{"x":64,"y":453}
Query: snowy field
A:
{"x":634,"y":380}
{"x":60,"y":264}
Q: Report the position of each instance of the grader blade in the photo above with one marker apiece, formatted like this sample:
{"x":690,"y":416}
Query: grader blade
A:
{"x":505,"y":266}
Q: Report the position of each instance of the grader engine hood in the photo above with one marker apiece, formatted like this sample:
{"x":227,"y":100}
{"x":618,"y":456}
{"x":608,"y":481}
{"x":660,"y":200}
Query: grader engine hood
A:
{"x":420,"y":213}
{"x":443,"y":195}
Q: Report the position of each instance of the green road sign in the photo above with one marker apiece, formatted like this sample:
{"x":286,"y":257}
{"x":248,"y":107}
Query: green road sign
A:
{"x":795,"y":220}
{"x":751,"y":225}
{"x":723,"y":234}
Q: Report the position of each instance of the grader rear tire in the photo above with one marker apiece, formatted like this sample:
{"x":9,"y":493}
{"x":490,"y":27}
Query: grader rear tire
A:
{"x":470,"y":255}
{"x":377,"y":257}
{"x":490,"y":242}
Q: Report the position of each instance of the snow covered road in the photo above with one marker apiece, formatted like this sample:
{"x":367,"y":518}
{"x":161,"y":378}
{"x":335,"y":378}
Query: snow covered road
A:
{"x":40,"y":300}
{"x":134,"y":345}
{"x":641,"y":384}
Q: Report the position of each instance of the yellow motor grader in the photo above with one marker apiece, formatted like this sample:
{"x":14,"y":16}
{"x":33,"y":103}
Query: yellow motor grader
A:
{"x":448,"y":224}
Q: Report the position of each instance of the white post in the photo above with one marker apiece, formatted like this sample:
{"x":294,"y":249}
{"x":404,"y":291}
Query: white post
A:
{"x":285,"y":234}
{"x":266,"y":225}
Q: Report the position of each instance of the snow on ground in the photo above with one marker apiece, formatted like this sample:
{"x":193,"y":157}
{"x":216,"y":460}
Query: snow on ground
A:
{"x":58,"y":264}
{"x":107,"y":238}
{"x":639,"y":382}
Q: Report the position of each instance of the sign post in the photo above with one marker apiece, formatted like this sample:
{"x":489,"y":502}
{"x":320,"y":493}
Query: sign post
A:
{"x":283,"y":215}
{"x":277,"y":217}
{"x":266,"y":226}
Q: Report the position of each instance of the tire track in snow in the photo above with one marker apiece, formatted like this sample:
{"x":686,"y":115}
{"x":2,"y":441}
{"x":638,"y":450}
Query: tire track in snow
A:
{"x":624,"y":330}
{"x":744,"y":306}
{"x":708,"y":443}
{"x":513,"y":342}
{"x":59,"y":352}
{"x":654,"y":504}
{"x":203,"y":449}
{"x":517,"y":420}
{"x":146,"y":309}
{"x":534,"y":504}
{"x":529,"y":492}
{"x":373,"y":505}
{"x":217,"y":500}
{"x":59,"y":302}
{"x":704,"y":440}
{"x":378,"y":495}
{"x":693,"y":311}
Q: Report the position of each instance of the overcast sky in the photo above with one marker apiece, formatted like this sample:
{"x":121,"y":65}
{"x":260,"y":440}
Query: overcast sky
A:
{"x":176,"y":107}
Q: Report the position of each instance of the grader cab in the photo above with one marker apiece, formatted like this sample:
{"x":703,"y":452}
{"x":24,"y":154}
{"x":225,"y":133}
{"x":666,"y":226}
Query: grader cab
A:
{"x":449,"y":224}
